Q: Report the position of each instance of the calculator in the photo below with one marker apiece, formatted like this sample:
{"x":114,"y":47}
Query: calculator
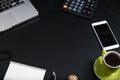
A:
{"x":83,"y":8}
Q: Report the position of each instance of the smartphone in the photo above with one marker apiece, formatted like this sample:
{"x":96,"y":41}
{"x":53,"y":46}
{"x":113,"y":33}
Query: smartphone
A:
{"x":105,"y":35}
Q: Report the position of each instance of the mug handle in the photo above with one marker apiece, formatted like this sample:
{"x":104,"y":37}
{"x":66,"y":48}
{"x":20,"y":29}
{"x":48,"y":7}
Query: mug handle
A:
{"x":103,"y":53}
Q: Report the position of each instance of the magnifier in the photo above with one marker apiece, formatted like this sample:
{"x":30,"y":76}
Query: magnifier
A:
{"x":50,"y":75}
{"x":54,"y":75}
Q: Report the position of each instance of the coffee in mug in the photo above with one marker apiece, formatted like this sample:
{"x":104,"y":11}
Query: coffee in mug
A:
{"x":112,"y":59}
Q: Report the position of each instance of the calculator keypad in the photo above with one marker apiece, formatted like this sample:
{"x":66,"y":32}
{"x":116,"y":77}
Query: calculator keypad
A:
{"x":80,"y":7}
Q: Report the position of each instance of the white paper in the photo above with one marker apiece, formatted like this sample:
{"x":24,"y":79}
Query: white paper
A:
{"x":18,"y":71}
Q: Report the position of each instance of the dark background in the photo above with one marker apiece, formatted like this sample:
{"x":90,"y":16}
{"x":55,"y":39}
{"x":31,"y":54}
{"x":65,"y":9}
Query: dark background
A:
{"x":60,"y":41}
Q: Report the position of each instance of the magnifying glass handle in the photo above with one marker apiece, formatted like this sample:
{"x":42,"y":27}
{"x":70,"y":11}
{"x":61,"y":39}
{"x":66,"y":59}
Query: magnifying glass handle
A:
{"x":54,"y":74}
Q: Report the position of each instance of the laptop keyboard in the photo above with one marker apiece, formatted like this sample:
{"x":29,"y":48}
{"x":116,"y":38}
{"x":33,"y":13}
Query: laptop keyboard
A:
{"x":7,"y":4}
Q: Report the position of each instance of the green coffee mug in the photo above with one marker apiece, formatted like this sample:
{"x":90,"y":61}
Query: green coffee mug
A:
{"x":107,"y":66}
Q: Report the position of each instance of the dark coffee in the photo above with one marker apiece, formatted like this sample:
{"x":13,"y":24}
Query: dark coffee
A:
{"x":112,"y":59}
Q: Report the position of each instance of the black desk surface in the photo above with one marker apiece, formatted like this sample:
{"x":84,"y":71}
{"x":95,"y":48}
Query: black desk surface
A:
{"x":61,"y":41}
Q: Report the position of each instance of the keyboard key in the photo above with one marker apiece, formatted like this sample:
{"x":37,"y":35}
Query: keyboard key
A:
{"x":73,"y":2}
{"x":84,"y":11}
{"x":77,"y":4}
{"x":21,"y":1}
{"x":74,"y":9}
{"x":3,"y":1}
{"x":92,"y":5}
{"x":78,"y":0}
{"x":71,"y":5}
{"x":0,"y":3}
{"x":70,"y":8}
{"x":7,"y":3}
{"x":14,"y":4}
{"x":80,"y":8}
{"x":1,"y":9}
{"x":6,"y":7}
{"x":89,"y":12}
{"x":65,"y":6}
{"x":86,"y":6}
{"x":81,"y":5}
{"x":89,"y":0}
{"x":10,"y":6}
{"x":82,"y":2}
{"x":1,"y":6}
{"x":11,"y":2}
{"x":93,"y":2}
{"x":78,"y":11}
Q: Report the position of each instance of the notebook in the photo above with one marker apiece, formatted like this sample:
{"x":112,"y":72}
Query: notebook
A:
{"x":18,"y":71}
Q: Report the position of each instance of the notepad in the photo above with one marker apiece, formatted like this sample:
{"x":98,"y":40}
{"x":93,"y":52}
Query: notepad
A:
{"x":18,"y":71}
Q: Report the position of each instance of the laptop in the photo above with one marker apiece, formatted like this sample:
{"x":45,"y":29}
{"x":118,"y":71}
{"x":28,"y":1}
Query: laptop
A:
{"x":19,"y":71}
{"x":13,"y":12}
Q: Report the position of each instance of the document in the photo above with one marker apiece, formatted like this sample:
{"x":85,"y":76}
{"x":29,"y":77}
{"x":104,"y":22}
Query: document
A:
{"x":18,"y":71}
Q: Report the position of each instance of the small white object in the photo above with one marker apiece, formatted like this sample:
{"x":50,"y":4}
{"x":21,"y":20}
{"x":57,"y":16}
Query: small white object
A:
{"x":18,"y":71}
